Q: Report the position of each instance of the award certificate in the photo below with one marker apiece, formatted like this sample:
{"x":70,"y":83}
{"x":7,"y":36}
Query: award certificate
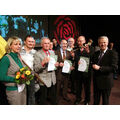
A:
{"x":84,"y":64}
{"x":51,"y":64}
{"x":66,"y":67}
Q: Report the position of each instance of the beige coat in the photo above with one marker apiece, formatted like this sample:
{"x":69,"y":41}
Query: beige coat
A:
{"x":48,"y":78}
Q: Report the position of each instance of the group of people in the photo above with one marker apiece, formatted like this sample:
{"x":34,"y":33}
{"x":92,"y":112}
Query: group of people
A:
{"x":86,"y":65}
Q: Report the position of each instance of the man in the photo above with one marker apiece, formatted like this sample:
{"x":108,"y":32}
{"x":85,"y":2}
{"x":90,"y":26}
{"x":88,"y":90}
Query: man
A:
{"x":71,"y":43}
{"x":55,"y":44}
{"x":41,"y":60}
{"x":27,"y":54}
{"x":62,"y":78}
{"x":71,"y":47}
{"x":82,"y":78}
{"x":104,"y":65}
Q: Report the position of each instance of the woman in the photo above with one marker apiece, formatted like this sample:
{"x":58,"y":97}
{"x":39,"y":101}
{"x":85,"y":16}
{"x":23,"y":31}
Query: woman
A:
{"x":10,"y":64}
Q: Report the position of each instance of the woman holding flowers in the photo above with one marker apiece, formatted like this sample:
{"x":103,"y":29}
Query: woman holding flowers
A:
{"x":10,"y":69}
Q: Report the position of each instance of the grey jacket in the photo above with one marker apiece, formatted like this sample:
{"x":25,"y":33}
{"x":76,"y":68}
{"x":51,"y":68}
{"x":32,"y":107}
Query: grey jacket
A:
{"x":48,"y":78}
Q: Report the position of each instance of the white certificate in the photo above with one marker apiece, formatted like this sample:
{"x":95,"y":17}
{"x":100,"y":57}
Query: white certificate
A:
{"x":51,"y":64}
{"x":21,"y":87}
{"x":66,"y":67}
{"x":84,"y":64}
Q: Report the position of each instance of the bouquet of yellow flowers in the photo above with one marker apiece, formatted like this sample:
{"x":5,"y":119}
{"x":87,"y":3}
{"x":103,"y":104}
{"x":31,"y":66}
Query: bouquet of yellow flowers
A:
{"x":23,"y":76}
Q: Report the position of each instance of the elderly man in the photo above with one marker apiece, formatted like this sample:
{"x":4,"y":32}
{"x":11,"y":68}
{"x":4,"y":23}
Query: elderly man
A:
{"x":104,"y":64}
{"x":41,"y":60}
{"x":27,"y":54}
{"x":83,"y":78}
{"x":71,"y":43}
{"x":71,"y":47}
{"x":62,"y":78}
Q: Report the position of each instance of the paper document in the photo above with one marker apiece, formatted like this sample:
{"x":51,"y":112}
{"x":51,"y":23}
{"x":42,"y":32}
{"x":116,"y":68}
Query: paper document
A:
{"x":84,"y":64}
{"x":51,"y":64}
{"x":21,"y":87}
{"x":66,"y":67}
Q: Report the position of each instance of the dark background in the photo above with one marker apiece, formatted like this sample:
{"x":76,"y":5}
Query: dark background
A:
{"x":93,"y":26}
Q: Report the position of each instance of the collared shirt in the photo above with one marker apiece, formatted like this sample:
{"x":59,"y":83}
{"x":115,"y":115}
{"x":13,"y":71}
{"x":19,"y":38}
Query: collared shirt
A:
{"x":46,"y":52}
{"x":69,"y":48}
{"x":52,"y":52}
{"x":101,"y":55}
{"x":105,"y":50}
{"x":61,"y":50}
{"x":28,"y":57}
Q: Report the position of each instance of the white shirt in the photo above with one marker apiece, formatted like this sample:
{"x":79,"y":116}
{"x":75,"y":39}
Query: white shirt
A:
{"x":28,"y":57}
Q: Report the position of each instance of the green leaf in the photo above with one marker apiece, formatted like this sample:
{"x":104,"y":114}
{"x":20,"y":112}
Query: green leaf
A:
{"x":28,"y":82}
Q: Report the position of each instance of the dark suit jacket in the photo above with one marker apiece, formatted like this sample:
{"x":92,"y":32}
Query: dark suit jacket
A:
{"x":59,"y":69}
{"x":78,"y":54}
{"x":103,"y":78}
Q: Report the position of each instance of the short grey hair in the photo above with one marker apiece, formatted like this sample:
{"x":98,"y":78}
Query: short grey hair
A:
{"x":103,"y":37}
{"x":43,"y":39}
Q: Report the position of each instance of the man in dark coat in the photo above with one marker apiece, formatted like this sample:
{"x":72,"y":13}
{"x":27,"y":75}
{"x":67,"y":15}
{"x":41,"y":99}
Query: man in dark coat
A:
{"x":104,"y":64}
{"x":83,"y":79}
{"x":62,"y":78}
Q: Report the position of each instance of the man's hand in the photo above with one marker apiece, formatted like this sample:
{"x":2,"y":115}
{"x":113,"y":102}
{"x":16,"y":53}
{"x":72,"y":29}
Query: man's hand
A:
{"x":45,"y":60}
{"x":56,"y":64}
{"x":96,"y":67}
{"x":61,"y":64}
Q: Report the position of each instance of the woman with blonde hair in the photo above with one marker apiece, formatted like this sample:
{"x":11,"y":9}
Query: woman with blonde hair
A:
{"x":9,"y":65}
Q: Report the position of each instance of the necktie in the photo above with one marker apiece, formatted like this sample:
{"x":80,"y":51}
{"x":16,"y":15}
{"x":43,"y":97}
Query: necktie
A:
{"x":81,"y":49}
{"x":47,"y":53}
{"x":64,"y":55}
{"x":100,"y":56}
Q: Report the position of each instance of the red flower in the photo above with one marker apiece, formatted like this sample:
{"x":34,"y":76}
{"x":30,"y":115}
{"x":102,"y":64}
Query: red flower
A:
{"x":23,"y":76}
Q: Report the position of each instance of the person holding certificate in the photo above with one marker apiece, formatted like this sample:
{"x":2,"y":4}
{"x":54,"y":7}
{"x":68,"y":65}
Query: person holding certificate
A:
{"x":82,"y":67}
{"x":48,"y":77}
{"x":62,"y":72}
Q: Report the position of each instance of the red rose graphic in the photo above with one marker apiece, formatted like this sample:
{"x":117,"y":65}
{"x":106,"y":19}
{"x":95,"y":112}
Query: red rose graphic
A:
{"x":65,"y":28}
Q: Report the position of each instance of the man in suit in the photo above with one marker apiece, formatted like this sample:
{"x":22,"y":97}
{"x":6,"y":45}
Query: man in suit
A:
{"x":83,"y":79}
{"x":71,"y":47}
{"x":104,"y":65}
{"x":62,"y":78}
{"x":41,"y":60}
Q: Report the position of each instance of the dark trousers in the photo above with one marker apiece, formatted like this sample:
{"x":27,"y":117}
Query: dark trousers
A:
{"x":43,"y":95}
{"x":72,"y":81}
{"x":3,"y":97}
{"x":31,"y":93}
{"x":105,"y":93}
{"x":83,"y":80}
{"x":62,"y":82}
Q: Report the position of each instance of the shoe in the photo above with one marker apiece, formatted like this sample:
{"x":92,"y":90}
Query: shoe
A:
{"x":86,"y":103}
{"x":77,"y":102}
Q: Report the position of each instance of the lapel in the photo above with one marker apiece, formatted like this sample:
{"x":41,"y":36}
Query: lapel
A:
{"x":104,"y":56}
{"x":67,"y":54}
{"x":59,"y":54}
{"x":43,"y":54}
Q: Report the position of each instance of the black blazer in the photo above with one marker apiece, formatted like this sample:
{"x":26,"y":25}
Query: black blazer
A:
{"x":103,"y":78}
{"x":78,"y":54}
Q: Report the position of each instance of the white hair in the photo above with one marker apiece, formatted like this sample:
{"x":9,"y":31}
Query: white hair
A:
{"x":103,"y":37}
{"x":71,"y":38}
{"x":43,"y":39}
